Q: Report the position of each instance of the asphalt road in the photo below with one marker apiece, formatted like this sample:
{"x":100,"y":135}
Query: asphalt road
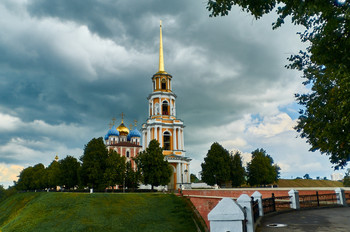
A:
{"x":315,"y":220}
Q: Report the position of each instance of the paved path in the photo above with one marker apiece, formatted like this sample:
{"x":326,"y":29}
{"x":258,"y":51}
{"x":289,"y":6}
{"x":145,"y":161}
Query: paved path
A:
{"x":315,"y":220}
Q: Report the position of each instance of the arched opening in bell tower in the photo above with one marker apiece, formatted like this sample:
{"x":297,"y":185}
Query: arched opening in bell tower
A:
{"x":165,"y":108}
{"x":166,"y":139}
{"x":163,"y":84}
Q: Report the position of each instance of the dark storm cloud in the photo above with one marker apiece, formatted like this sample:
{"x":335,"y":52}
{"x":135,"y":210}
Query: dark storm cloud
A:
{"x":112,"y":19}
{"x":125,"y":22}
{"x":55,"y":90}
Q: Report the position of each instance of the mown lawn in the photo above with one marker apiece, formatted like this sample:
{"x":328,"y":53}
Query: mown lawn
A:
{"x":95,"y":212}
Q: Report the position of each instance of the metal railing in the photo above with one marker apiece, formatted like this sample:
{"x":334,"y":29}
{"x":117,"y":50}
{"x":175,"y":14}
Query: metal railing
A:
{"x":274,"y":203}
{"x":282,"y":202}
{"x":347,"y":197}
{"x":318,"y":200}
{"x":269,"y":204}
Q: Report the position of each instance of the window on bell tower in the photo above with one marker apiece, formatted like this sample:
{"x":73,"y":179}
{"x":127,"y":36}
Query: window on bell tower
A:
{"x":163,"y":84}
{"x":165,"y":108}
{"x":166,"y":138}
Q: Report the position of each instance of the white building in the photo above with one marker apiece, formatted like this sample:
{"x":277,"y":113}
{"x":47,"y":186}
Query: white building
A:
{"x":337,"y":176}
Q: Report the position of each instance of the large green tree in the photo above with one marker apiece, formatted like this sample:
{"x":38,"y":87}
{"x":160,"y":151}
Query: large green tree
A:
{"x":32,"y":178}
{"x":69,"y":172}
{"x":25,"y":179}
{"x":115,"y":169}
{"x":155,"y":170}
{"x":132,"y":177}
{"x":39,"y":177}
{"x":216,"y":165}
{"x":261,"y":170}
{"x":325,"y":119}
{"x":53,"y":174}
{"x":94,"y":164}
{"x":237,"y":170}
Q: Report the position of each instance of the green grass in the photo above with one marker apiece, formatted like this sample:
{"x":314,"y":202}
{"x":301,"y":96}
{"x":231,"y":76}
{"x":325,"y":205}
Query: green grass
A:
{"x":308,"y":183}
{"x":95,"y":212}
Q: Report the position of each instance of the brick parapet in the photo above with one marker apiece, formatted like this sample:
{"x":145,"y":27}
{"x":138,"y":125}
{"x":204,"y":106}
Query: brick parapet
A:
{"x":206,"y":199}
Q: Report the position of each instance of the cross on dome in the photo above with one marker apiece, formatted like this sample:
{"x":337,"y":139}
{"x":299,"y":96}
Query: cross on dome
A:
{"x":122,"y":114}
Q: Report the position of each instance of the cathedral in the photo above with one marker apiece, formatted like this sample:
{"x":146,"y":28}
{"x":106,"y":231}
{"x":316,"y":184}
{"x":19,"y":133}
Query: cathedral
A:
{"x":162,"y":125}
{"x":124,"y":141}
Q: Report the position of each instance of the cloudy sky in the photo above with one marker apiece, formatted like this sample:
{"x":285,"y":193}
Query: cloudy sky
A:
{"x":68,"y":67}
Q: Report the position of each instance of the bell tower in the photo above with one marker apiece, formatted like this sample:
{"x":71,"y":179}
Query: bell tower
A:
{"x":163,"y":125}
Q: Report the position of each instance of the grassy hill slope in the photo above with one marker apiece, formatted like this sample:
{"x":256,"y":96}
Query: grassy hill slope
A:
{"x":308,"y":183}
{"x":94,"y":212}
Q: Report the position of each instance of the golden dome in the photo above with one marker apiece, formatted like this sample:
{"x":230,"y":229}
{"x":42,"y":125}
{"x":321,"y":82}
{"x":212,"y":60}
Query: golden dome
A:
{"x":123,"y":129}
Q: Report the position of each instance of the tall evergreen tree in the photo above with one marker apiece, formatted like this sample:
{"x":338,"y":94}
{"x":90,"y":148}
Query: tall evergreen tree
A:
{"x":53,"y":173}
{"x":261,"y":170}
{"x":69,"y":175}
{"x":94,"y":164}
{"x":115,"y":169}
{"x":155,"y":170}
{"x":132,"y":177}
{"x":39,"y":177}
{"x":216,"y":166}
{"x":32,"y":178}
{"x":237,"y":170}
{"x":25,"y":179}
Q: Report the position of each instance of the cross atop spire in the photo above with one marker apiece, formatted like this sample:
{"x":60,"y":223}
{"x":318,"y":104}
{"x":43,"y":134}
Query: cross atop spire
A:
{"x":122,"y":114}
{"x":161,"y":58}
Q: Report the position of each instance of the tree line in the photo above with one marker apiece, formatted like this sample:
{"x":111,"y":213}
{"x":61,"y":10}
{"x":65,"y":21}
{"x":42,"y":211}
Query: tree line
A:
{"x":222,"y":168}
{"x":98,"y":168}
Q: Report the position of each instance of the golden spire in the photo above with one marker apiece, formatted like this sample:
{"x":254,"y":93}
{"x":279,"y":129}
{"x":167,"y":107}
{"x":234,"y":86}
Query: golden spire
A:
{"x":122,"y":114}
{"x":161,"y":58}
{"x":135,"y":121}
{"x":56,"y":158}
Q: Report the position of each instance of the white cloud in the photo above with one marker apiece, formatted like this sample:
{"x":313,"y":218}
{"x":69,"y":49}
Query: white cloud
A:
{"x":72,"y":44}
{"x":8,"y":122}
{"x":235,"y":142}
{"x":9,"y":173}
{"x":274,"y":134}
{"x":272,"y":126}
{"x":63,"y":130}
{"x":246,"y":157}
{"x":31,"y":152}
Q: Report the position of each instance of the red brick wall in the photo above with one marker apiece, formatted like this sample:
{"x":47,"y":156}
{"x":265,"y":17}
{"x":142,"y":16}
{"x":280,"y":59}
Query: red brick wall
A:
{"x":206,"y":200}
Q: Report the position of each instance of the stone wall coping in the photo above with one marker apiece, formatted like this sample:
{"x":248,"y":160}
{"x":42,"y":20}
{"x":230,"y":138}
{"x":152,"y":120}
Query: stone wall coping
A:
{"x":203,"y":196}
